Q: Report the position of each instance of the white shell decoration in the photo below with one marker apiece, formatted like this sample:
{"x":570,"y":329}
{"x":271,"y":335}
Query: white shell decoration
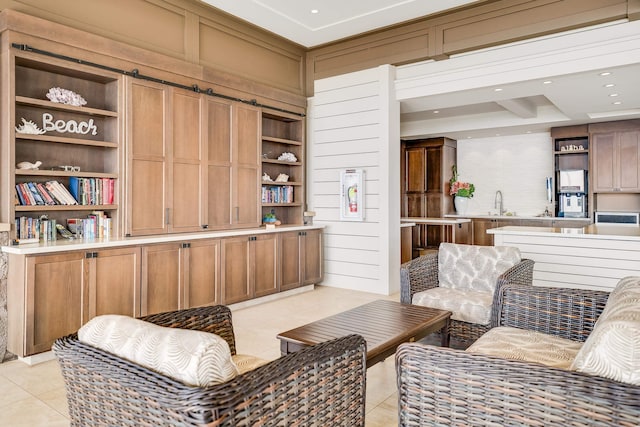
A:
{"x":288,"y":157}
{"x":65,"y":96}
{"x":283,"y":177}
{"x":29,"y":127}
{"x":266,"y":177}
{"x":29,"y":165}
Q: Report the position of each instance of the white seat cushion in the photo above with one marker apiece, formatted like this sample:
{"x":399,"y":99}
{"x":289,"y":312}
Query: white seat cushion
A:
{"x":466,"y":306}
{"x":192,"y":357}
{"x":612,"y":350}
{"x":474,"y":268}
{"x":527,"y":346}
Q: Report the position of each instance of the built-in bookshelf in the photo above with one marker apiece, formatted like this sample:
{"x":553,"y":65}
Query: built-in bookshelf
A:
{"x":283,"y":155}
{"x":72,"y":144}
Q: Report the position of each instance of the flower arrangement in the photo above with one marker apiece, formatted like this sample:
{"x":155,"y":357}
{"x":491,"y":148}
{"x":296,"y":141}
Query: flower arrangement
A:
{"x":458,"y":188}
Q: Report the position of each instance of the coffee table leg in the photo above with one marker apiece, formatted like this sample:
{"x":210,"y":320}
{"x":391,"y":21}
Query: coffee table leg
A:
{"x":445,"y":334}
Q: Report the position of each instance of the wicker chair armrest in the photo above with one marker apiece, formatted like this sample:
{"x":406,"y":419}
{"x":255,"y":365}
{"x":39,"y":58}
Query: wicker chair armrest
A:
{"x":519,"y":274}
{"x":213,"y":319}
{"x":567,"y":313}
{"x":319,"y":385}
{"x":418,"y":275}
{"x":441,"y":386}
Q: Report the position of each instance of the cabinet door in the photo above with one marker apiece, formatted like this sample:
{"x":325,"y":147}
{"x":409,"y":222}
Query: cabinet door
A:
{"x":604,"y":164}
{"x":147,"y":158}
{"x":162,"y":282}
{"x":219,"y":152}
{"x":480,"y":227}
{"x":290,"y":261}
{"x":187,"y":163}
{"x":235,"y":269}
{"x":415,"y":170}
{"x":629,"y":155}
{"x":55,"y":305}
{"x":313,"y":272}
{"x":114,"y":282}
{"x":203,"y":273}
{"x":246,"y":167}
{"x":265,"y":264}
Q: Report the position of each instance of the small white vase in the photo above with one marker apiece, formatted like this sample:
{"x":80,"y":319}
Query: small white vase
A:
{"x":461,"y":204}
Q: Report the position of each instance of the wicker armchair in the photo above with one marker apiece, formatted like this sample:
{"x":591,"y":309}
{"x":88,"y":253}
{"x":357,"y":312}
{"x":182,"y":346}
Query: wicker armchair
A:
{"x":321,"y":385}
{"x":442,"y":386}
{"x":421,"y":273}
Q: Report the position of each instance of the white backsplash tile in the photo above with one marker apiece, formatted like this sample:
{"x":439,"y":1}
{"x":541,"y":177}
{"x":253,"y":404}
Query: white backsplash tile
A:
{"x":516,"y":165}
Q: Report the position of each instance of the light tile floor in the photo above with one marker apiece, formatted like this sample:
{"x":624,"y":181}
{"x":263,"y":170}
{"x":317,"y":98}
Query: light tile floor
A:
{"x":34,"y":396}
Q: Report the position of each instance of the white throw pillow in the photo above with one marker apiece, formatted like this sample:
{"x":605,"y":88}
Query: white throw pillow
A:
{"x":192,"y":357}
{"x":474,"y":268}
{"x":612,"y":350}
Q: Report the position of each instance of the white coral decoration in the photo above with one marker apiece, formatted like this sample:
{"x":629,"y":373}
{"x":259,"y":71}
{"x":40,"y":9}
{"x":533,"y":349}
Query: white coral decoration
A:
{"x":288,"y":157}
{"x":266,"y":177}
{"x":29,"y":127}
{"x":65,"y":96}
{"x":283,"y":177}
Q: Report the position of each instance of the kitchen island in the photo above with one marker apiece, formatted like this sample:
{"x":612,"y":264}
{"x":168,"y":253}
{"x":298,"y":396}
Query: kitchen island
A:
{"x":591,"y":257}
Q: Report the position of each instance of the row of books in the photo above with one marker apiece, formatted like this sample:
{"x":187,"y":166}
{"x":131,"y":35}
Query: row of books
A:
{"x":96,"y":225}
{"x":92,"y":191}
{"x":82,"y":191}
{"x":35,"y":229}
{"x":277,"y":194}
{"x":44,"y":193}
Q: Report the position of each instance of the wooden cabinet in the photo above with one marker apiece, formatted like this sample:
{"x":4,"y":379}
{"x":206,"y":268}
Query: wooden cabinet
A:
{"x":426,"y":170}
{"x":249,"y":267}
{"x":71,"y":141}
{"x":54,"y":295}
{"x":480,"y":227}
{"x":283,"y":133}
{"x":616,"y":162}
{"x":166,"y":166}
{"x":180,"y":275}
{"x":300,"y":260}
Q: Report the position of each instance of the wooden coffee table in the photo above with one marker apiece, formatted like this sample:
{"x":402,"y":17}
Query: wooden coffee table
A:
{"x":383,"y":324}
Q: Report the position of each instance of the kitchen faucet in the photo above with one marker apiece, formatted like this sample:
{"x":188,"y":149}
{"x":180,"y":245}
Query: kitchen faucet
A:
{"x":501,"y":205}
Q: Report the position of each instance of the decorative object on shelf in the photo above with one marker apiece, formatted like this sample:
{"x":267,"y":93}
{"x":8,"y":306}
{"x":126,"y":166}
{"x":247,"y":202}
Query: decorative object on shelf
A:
{"x":65,"y":96}
{"x":461,"y":204}
{"x":29,"y":165}
{"x":270,"y":219}
{"x":69,"y":126}
{"x":283,"y":177}
{"x":572,"y":147}
{"x":288,"y":157}
{"x":266,"y":177}
{"x":352,"y":195}
{"x":29,"y":127}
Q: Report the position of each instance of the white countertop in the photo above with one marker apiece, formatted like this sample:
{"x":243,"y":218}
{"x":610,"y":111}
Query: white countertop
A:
{"x":62,"y":245}
{"x":436,"y":221}
{"x":546,"y":218}
{"x":616,"y":232}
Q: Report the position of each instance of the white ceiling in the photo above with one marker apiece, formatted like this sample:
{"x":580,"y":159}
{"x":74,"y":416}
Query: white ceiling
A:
{"x":521,"y":107}
{"x":334,"y":20}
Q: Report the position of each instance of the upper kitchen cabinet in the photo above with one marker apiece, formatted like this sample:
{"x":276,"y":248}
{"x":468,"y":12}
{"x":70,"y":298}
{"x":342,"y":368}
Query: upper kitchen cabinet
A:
{"x":67,"y":118}
{"x":426,"y":170}
{"x":616,"y":161}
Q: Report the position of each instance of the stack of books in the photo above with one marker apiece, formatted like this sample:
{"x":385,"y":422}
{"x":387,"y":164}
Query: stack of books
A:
{"x":44,"y":193}
{"x":277,"y":194}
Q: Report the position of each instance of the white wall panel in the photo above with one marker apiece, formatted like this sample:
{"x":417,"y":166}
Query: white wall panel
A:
{"x":354,"y":124}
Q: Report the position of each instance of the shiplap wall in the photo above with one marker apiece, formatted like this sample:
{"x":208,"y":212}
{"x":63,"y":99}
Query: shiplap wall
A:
{"x":354,"y":123}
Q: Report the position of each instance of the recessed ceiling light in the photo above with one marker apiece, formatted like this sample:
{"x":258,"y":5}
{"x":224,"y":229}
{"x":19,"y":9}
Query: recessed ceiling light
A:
{"x":497,"y":134}
{"x":613,"y":95}
{"x":617,"y":103}
{"x":606,"y":73}
{"x":498,"y":89}
{"x":609,"y":85}
{"x":547,"y":82}
{"x":436,"y":111}
{"x":314,"y":11}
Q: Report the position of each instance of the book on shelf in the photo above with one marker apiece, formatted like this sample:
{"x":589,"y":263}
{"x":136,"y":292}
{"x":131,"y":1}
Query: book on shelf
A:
{"x":35,"y":229}
{"x":97,"y":225}
{"x":92,"y":191}
{"x":277,"y":194}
